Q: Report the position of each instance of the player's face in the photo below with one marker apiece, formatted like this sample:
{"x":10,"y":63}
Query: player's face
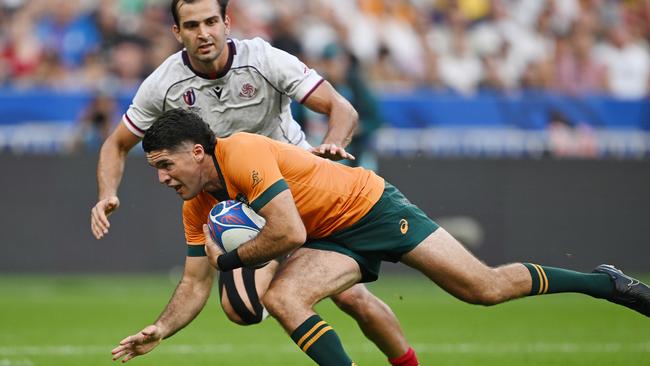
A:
{"x":203,"y":32}
{"x":179,"y":170}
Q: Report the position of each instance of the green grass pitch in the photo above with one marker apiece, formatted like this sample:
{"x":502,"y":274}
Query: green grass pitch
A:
{"x":77,"y":320}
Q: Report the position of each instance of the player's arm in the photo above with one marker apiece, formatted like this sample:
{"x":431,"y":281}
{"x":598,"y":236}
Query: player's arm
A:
{"x":187,"y":302}
{"x":342,"y":123}
{"x":110,"y":168}
{"x":283,"y":232}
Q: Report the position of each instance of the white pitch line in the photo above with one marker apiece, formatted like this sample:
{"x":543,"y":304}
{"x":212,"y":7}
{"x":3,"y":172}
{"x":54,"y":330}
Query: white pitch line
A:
{"x":429,"y":348}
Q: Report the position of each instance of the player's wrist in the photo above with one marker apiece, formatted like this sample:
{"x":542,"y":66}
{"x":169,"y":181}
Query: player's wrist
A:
{"x":229,"y":261}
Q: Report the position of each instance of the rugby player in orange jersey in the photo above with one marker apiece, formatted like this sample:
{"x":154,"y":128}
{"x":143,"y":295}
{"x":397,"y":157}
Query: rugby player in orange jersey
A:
{"x":338,"y":223}
{"x":241,"y":85}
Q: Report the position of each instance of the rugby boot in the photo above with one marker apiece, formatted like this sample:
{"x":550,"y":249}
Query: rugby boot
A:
{"x":628,"y":291}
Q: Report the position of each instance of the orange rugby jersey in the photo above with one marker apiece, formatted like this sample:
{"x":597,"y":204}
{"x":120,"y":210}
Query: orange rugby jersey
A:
{"x":329,"y":196}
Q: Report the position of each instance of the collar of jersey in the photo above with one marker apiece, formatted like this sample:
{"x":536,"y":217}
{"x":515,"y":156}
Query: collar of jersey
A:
{"x":222,"y":194}
{"x":231,"y":54}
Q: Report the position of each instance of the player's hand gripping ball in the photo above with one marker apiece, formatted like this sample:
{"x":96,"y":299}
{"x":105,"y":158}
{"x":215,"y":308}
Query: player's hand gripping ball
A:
{"x":233,"y":223}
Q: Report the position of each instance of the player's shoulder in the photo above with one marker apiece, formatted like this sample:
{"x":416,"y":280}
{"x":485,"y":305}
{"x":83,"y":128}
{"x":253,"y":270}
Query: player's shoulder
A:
{"x":231,"y":147}
{"x":252,"y":44}
{"x":252,"y":51}
{"x":240,"y":138}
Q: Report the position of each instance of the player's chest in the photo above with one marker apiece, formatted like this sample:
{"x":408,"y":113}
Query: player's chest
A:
{"x":236,"y":95}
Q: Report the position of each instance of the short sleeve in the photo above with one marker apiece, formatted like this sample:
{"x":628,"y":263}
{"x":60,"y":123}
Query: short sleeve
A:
{"x":195,"y":214}
{"x":255,"y":174}
{"x":290,"y":74}
{"x":144,"y":109}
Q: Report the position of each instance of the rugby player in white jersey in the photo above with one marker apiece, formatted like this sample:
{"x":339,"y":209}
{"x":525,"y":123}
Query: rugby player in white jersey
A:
{"x":240,"y":85}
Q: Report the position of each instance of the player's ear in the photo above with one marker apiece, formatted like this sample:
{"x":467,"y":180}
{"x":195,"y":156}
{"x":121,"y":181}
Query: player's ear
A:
{"x":198,"y":152}
{"x":226,"y":23}
{"x":177,"y":33}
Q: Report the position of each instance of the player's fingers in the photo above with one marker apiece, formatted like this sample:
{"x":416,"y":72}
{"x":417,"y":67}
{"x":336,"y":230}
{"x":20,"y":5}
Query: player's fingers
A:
{"x":95,"y":230}
{"x":128,"y":357}
{"x":208,"y":237}
{"x":118,"y":354}
{"x":99,"y":218}
{"x":117,"y":349}
{"x":129,"y":340}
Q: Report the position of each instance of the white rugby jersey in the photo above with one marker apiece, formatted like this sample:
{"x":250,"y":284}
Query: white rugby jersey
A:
{"x":252,"y":94}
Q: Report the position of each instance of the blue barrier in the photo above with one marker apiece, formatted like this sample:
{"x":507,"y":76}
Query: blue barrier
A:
{"x":531,"y":110}
{"x":435,"y":122}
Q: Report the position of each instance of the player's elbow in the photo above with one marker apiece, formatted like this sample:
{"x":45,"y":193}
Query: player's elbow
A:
{"x":296,"y":236}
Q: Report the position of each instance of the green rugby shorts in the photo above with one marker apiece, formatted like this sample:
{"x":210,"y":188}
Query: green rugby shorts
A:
{"x":392,"y":227}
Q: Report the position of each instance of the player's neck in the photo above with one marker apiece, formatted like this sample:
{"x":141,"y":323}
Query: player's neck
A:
{"x":211,"y":177}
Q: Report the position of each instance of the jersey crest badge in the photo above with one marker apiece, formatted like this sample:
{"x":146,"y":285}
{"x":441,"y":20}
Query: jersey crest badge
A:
{"x":189,"y":97}
{"x":247,"y":91}
{"x":255,"y":177}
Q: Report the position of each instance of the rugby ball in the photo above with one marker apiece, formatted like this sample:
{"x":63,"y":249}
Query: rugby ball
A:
{"x":233,"y":223}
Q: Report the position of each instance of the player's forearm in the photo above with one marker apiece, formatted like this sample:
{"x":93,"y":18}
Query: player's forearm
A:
{"x":186,"y":303}
{"x":343,"y":121}
{"x":270,"y":244}
{"x":112,"y":158}
{"x":110,"y":169}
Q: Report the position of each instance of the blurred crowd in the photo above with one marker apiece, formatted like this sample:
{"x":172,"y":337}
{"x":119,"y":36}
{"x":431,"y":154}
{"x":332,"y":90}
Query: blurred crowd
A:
{"x":570,"y":46}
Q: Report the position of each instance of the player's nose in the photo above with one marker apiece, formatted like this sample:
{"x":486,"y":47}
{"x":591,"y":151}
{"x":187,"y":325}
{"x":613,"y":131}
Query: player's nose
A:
{"x":163,"y":177}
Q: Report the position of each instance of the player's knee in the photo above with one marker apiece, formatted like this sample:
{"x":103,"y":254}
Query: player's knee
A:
{"x":231,"y":314}
{"x":489,"y":290}
{"x":279,"y":302}
{"x":488,"y":296}
{"x":357,"y":303}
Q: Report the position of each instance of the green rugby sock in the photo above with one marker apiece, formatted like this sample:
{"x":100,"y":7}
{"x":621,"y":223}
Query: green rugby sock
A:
{"x":319,"y":341}
{"x":550,"y":280}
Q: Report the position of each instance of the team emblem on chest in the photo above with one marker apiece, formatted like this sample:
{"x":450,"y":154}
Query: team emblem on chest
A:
{"x":189,"y":97}
{"x":247,"y":91}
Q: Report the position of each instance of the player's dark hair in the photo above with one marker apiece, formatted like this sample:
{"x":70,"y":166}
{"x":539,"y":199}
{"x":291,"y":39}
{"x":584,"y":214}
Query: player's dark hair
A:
{"x":175,"y":127}
{"x":223,"y":5}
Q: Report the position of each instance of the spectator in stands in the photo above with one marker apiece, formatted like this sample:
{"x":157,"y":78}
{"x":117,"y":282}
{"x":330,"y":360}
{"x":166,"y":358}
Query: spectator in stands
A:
{"x":399,"y":43}
{"x":461,"y":69}
{"x":577,"y":72}
{"x":68,"y":32}
{"x":95,"y":123}
{"x":627,"y":62}
{"x":22,"y":52}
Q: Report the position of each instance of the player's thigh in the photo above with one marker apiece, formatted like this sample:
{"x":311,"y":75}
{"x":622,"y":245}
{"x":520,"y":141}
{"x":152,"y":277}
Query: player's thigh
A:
{"x":241,"y":291}
{"x":310,"y":275}
{"x":446,"y":261}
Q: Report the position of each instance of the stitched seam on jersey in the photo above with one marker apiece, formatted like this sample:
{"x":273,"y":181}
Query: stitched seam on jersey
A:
{"x":170,"y":88}
{"x":301,"y":136}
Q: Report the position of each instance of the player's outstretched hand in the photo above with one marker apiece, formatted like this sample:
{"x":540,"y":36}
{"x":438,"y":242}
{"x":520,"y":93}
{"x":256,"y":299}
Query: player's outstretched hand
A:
{"x":332,"y":152}
{"x":99,"y":216}
{"x":211,"y":248}
{"x":138,"y":344}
